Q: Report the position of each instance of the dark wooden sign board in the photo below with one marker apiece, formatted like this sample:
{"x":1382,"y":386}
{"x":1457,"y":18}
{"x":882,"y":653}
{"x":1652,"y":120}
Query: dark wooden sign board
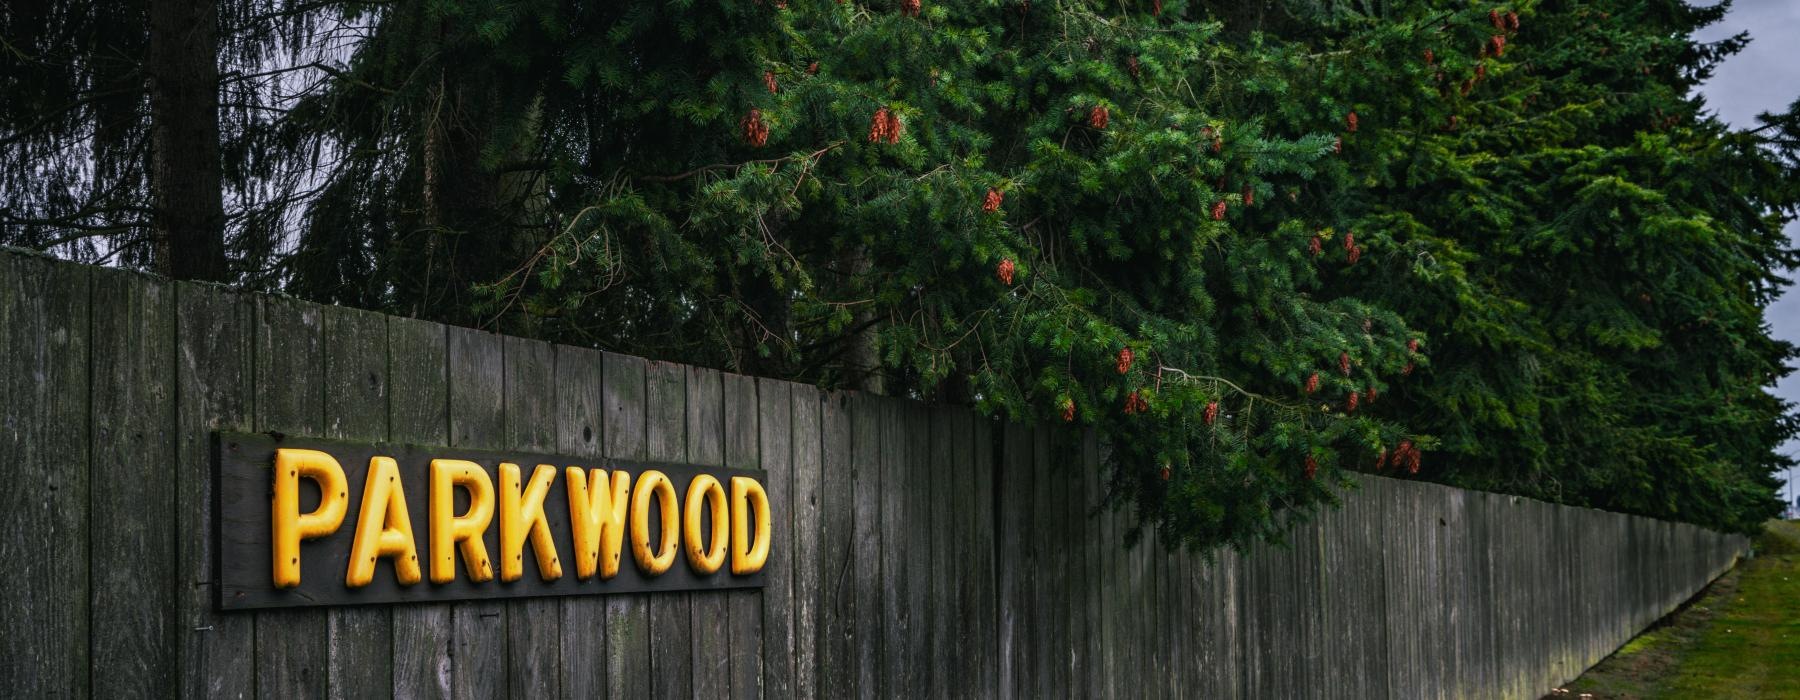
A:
{"x":245,"y":481}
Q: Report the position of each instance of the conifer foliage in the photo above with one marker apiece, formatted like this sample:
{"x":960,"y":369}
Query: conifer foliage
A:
{"x":1251,"y":246}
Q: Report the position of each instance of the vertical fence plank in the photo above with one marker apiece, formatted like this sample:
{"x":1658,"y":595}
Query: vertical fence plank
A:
{"x":1093,"y":673}
{"x":1061,"y":472}
{"x":706,"y":438}
{"x":580,"y":415}
{"x":212,"y":392}
{"x":837,"y":542}
{"x":131,"y":540}
{"x":869,"y":417}
{"x":741,"y":625}
{"x":1013,"y":521}
{"x":1112,"y":657}
{"x":418,"y":413}
{"x":896,"y":450}
{"x":478,"y":419}
{"x":627,"y":616}
{"x":1045,"y":609}
{"x":671,"y":630}
{"x":980,"y":464}
{"x":532,"y":405}
{"x":44,"y":345}
{"x":359,"y":652}
{"x":917,"y":529}
{"x":945,"y":563}
{"x":808,"y":570}
{"x":777,"y":436}
{"x":291,"y":653}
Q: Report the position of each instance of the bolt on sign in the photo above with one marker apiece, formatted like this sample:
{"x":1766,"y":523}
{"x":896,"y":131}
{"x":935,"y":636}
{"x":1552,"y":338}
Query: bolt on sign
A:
{"x":305,"y":522}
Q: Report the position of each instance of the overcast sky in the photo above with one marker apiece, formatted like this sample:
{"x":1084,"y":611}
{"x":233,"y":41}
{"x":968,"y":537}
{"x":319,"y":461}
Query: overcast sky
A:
{"x":1764,"y":78}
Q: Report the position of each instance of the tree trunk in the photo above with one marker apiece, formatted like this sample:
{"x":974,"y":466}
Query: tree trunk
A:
{"x":863,"y":361}
{"x":189,"y":223}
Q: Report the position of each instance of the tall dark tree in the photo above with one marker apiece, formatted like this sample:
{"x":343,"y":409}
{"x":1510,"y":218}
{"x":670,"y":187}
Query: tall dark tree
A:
{"x":188,"y":215}
{"x":122,"y":142}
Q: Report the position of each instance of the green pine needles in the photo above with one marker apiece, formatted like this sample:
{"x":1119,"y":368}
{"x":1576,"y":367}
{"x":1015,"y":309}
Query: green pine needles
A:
{"x":1252,"y":246}
{"x":1253,"y":250}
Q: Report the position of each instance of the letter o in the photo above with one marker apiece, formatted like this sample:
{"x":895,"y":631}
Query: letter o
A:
{"x":656,"y":484}
{"x":706,"y":557}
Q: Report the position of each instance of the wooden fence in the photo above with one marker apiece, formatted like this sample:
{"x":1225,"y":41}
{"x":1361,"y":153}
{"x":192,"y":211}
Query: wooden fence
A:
{"x":919,"y":550}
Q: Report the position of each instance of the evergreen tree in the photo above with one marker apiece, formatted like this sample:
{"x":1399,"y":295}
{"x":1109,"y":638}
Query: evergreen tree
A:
{"x":1585,"y":250}
{"x":1253,"y":246}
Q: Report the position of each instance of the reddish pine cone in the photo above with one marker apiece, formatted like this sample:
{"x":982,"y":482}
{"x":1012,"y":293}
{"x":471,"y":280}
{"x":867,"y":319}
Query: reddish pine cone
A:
{"x":1407,"y":370}
{"x":812,"y":68}
{"x":1408,"y":456}
{"x":1068,"y":410}
{"x":1135,"y":403}
{"x":878,"y":126}
{"x":1349,"y":240}
{"x":769,"y":81}
{"x":1005,"y":271}
{"x":1344,"y":363}
{"x":1124,"y":364}
{"x":1412,"y":344}
{"x":1099,"y":117}
{"x":1312,"y":383}
{"x":1350,"y":121}
{"x":1315,"y":246}
{"x":1165,"y":472}
{"x":991,"y":203}
{"x":1481,"y":72}
{"x":1512,"y":21}
{"x":885,"y":127}
{"x":1371,"y":394}
{"x":1249,"y":196}
{"x":1381,"y":459}
{"x":1156,"y":7}
{"x":1494,"y":19}
{"x":1430,"y":58}
{"x":756,"y":133}
{"x":1350,"y":402}
{"x":1312,"y":468}
{"x":1212,"y":412}
{"x":1499,"y":44}
{"x":1218,"y":211}
{"x":893,"y":128}
{"x":909,"y":8}
{"x":1131,"y":63}
{"x":1355,"y":254}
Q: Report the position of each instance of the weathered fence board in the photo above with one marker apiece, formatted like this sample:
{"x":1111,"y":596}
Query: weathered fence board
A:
{"x":44,"y":341}
{"x":358,"y":651}
{"x":627,"y":616}
{"x":533,"y":625}
{"x":418,"y":412}
{"x":802,"y":646}
{"x":477,"y":376}
{"x":579,"y":432}
{"x":748,"y":445}
{"x":918,"y":550}
{"x":212,"y":392}
{"x":292,"y":657}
